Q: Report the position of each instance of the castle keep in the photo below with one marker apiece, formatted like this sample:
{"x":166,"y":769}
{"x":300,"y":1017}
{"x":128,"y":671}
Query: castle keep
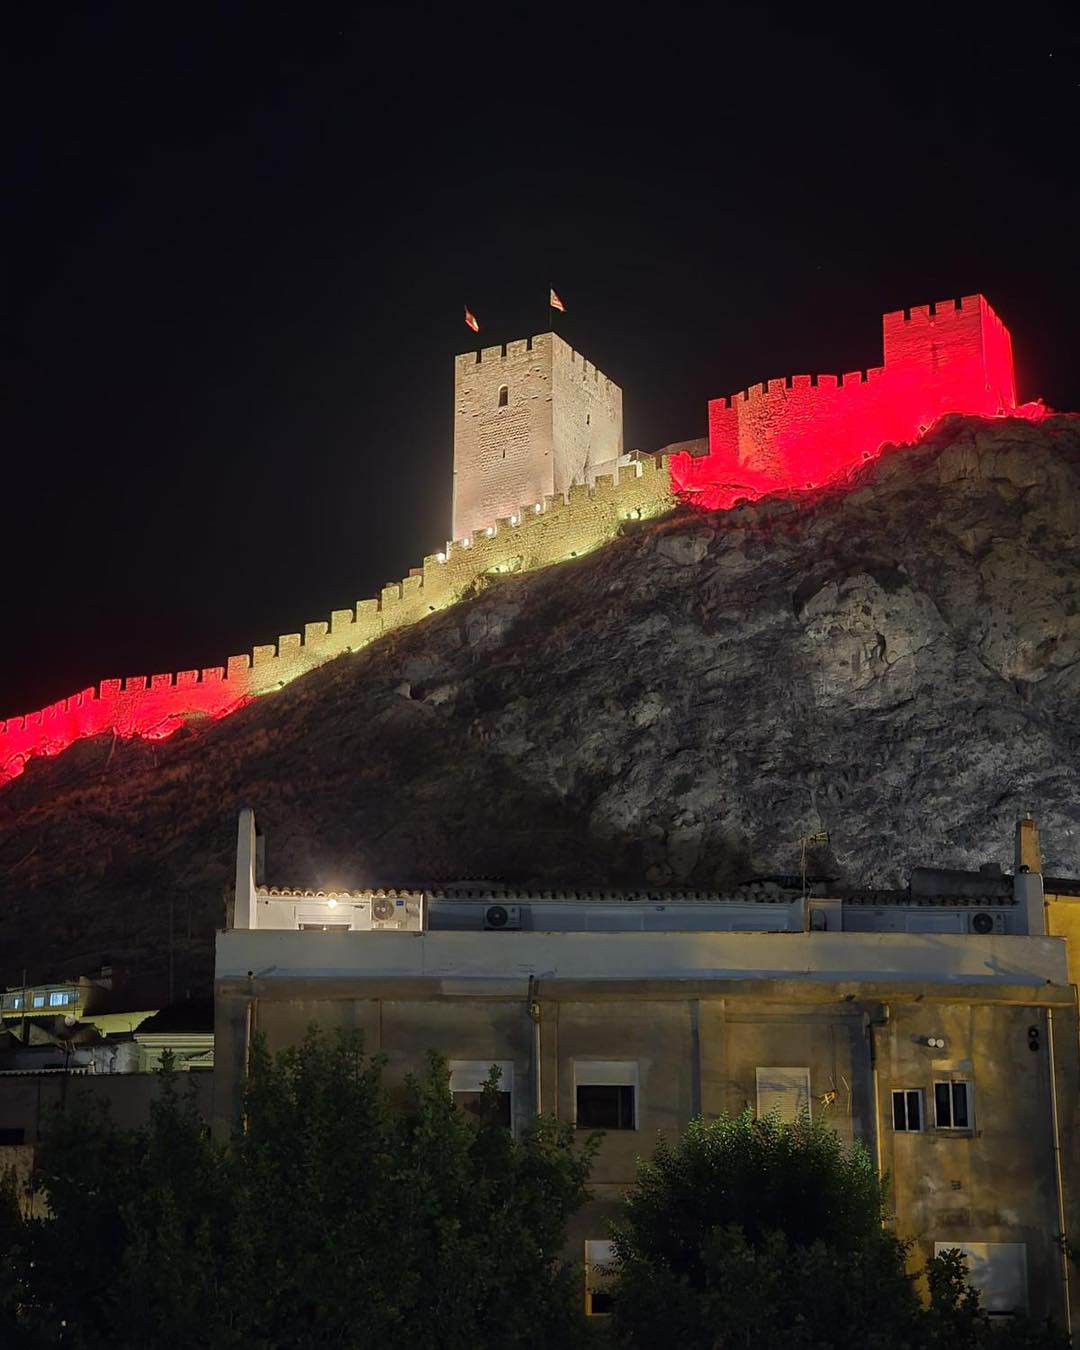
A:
{"x":531,"y":419}
{"x":540,"y":475}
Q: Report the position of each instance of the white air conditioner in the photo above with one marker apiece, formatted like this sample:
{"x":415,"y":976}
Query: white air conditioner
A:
{"x":344,"y":915}
{"x":498,"y":918}
{"x":984,"y":922}
{"x":397,"y":913}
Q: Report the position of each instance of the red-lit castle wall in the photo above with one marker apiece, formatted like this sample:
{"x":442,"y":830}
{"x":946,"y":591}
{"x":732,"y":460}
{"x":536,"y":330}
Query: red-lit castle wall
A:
{"x":953,"y":356}
{"x":152,"y":708}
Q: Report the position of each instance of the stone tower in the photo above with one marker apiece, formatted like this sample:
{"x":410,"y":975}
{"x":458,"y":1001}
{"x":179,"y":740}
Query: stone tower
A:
{"x":531,"y":419}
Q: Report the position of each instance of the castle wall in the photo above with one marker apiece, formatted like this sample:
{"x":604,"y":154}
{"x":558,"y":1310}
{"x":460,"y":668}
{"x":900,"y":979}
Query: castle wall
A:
{"x":802,"y":431}
{"x":550,"y":530}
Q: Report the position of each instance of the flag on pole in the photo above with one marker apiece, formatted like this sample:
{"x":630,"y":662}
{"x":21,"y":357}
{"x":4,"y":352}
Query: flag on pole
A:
{"x":470,"y":319}
{"x":555,"y":302}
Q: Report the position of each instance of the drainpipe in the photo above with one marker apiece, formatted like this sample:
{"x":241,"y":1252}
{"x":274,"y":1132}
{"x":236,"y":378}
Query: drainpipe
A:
{"x":534,"y":1014}
{"x":873,"y":1022}
{"x":1058,"y":1184}
{"x":251,"y":1014}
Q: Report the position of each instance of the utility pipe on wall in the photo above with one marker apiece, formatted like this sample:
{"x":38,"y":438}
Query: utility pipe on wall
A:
{"x":534,"y":1013}
{"x":1063,"y":1239}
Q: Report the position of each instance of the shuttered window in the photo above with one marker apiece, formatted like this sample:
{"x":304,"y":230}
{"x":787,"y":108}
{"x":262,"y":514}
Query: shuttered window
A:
{"x":467,"y":1079}
{"x":785,"y":1091}
{"x":599,"y":1254}
{"x":998,"y":1270}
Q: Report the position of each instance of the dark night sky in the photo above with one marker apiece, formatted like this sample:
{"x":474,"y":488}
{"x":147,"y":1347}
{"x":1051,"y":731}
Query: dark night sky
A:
{"x":239,"y":241}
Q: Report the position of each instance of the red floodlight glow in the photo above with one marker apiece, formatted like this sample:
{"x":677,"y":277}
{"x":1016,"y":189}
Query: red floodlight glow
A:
{"x":805,"y":431}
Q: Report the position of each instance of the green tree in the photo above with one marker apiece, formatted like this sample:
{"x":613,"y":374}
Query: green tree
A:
{"x":341,"y":1214}
{"x":755,"y":1233}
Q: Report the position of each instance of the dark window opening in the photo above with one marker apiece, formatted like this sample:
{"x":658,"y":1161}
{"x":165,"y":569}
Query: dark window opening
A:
{"x":952,"y":1109}
{"x":907,"y":1110}
{"x":471,"y":1102}
{"x":605,"y":1106}
{"x":504,"y":396}
{"x":600,"y":1301}
{"x":11,"y":1134}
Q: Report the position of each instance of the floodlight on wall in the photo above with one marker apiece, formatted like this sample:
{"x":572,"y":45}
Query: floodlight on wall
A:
{"x":513,"y":520}
{"x":935,"y":1042}
{"x":490,"y":531}
{"x":440,"y":557}
{"x":331,"y":903}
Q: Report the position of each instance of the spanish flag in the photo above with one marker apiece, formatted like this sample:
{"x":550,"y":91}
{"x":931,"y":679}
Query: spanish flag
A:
{"x":470,"y":319}
{"x":554,"y":300}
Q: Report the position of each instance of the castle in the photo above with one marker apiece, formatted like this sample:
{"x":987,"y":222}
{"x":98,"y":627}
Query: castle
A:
{"x":540,"y":475}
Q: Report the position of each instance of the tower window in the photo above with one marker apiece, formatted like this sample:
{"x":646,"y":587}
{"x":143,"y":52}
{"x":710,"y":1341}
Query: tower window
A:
{"x":588,"y":418}
{"x":504,"y":396}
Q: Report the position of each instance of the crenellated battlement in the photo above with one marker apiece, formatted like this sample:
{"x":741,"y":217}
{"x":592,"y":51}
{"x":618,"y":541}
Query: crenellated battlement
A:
{"x":560,"y":527}
{"x":522,"y":350}
{"x":517,"y":350}
{"x":803,"y":430}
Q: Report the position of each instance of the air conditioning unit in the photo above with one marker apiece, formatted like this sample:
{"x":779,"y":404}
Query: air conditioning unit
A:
{"x":984,"y":923}
{"x":397,"y":913}
{"x":343,"y":915}
{"x":501,"y":917}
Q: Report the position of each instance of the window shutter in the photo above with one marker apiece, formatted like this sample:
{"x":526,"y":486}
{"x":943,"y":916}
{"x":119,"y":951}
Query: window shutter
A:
{"x":785,"y":1091}
{"x":470,"y":1075}
{"x":998,"y":1270}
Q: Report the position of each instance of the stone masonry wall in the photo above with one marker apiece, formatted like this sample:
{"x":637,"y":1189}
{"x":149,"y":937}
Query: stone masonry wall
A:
{"x":502,"y":451}
{"x":586,"y":417}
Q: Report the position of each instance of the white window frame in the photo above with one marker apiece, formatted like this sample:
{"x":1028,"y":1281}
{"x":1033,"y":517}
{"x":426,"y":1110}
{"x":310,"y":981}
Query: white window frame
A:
{"x":762,"y":1076}
{"x":906,"y":1128}
{"x":609,"y":1073}
{"x":980,"y":1256}
{"x":970,"y":1089}
{"x":598,"y":1252}
{"x":470,"y":1075}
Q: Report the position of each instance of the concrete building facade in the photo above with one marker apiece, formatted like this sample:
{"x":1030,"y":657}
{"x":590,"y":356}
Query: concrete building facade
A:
{"x":943,"y":1037}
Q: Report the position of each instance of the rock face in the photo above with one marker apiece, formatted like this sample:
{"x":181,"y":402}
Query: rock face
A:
{"x":897,"y":663}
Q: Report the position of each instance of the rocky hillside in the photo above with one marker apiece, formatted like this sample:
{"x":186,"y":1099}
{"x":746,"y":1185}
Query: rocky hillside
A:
{"x":897,"y":663}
